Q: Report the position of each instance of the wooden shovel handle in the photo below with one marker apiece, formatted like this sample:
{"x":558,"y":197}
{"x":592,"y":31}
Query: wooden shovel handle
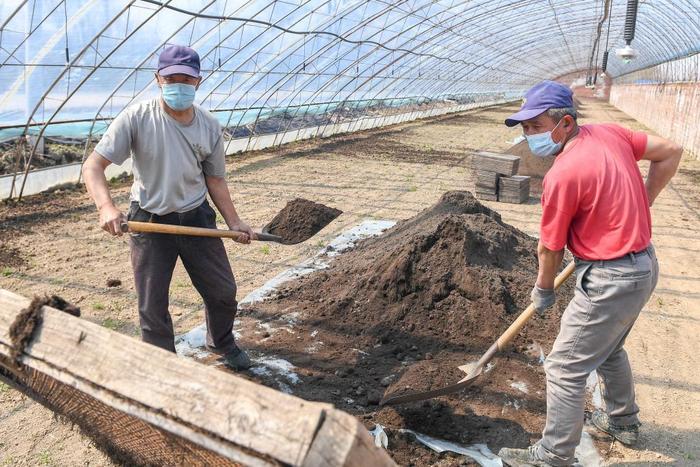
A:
{"x":152,"y":227}
{"x":524,"y":317}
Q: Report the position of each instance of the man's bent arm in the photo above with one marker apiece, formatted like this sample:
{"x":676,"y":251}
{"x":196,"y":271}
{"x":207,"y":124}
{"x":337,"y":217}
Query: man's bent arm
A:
{"x":665,"y":156}
{"x":220,"y":195}
{"x":96,"y":183}
{"x":549,"y":261}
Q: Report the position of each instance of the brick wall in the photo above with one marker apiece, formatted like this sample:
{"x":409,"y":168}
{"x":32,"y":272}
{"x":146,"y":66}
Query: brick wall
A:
{"x":670,"y":109}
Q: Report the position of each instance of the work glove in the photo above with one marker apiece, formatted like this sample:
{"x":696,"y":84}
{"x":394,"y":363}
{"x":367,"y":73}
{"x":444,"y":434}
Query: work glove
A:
{"x":542,"y":299}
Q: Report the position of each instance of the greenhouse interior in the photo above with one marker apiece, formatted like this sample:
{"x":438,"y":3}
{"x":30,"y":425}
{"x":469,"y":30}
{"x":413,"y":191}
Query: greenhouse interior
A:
{"x":440,"y":214}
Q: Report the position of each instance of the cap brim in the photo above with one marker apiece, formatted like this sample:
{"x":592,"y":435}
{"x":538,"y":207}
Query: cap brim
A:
{"x":523,"y":115}
{"x":179,"y":70}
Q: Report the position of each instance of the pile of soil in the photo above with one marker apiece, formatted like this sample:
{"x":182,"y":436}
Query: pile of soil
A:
{"x":300,"y":220}
{"x":404,"y":310}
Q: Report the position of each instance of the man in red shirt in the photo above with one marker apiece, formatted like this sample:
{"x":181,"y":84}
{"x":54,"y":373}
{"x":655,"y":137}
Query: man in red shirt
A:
{"x":596,"y":203}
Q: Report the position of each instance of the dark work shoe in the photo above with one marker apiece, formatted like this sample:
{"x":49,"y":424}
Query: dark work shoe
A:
{"x":626,"y":434}
{"x":522,"y":457}
{"x":237,"y":359}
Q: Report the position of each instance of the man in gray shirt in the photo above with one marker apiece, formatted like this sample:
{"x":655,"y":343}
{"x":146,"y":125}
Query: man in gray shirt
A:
{"x":177,"y":150}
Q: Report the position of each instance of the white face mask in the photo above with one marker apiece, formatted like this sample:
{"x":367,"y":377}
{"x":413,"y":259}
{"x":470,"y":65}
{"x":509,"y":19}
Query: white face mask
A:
{"x":542,"y":144}
{"x":178,"y":96}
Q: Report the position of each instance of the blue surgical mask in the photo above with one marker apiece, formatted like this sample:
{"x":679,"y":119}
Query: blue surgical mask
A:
{"x":178,"y":96}
{"x":542,"y":144}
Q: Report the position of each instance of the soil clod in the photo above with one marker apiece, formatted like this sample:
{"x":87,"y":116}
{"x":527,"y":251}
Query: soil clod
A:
{"x":26,"y":322}
{"x":300,"y":220}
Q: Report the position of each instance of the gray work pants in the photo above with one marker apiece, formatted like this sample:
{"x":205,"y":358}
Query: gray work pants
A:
{"x":608,"y":298}
{"x":153,"y":258}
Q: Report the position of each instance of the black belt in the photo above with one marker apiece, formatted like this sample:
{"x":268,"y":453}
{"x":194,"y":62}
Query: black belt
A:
{"x":176,"y":218}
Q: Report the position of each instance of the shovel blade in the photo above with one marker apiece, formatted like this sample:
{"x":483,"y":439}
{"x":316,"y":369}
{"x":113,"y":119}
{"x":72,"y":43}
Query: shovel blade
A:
{"x":394,"y":399}
{"x":469,"y":368}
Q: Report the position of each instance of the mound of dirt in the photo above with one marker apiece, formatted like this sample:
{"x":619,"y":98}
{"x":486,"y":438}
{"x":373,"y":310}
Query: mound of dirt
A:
{"x":402,"y":311}
{"x":455,"y":274}
{"x":301,"y":219}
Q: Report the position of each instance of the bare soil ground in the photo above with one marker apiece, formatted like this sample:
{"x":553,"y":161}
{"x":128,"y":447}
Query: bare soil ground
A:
{"x":391,"y":173}
{"x":401,"y":312}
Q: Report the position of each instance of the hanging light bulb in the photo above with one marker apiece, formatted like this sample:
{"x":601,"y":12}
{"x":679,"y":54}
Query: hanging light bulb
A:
{"x":627,"y":53}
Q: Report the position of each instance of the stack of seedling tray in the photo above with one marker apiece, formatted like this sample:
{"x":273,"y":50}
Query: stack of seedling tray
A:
{"x":496,"y":180}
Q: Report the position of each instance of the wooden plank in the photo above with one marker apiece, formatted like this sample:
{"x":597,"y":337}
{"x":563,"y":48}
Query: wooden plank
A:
{"x":504,"y":164}
{"x":233,"y":414}
{"x":343,"y":441}
{"x":195,"y":435}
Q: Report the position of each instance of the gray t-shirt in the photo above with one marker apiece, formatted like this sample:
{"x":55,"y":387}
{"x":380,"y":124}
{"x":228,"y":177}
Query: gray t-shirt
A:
{"x":170,"y":159}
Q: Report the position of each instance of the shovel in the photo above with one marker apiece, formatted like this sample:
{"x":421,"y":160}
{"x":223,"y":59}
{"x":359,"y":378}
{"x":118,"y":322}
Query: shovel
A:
{"x":475,"y":370}
{"x":298,"y":224}
{"x":152,"y":227}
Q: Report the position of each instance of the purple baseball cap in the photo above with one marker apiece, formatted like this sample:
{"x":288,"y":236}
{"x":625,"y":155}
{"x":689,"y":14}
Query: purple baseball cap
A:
{"x":176,"y":59}
{"x":540,"y":98}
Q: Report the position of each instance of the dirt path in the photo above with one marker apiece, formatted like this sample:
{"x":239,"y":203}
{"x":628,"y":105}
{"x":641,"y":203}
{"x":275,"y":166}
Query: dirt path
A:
{"x":389,"y":173}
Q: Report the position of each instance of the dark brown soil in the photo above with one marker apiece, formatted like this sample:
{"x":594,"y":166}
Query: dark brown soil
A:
{"x":300,"y":220}
{"x":403,"y":311}
{"x":23,"y":327}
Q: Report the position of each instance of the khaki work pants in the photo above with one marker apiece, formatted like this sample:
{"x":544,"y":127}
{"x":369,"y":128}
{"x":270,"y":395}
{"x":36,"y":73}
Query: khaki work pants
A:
{"x":608,"y":298}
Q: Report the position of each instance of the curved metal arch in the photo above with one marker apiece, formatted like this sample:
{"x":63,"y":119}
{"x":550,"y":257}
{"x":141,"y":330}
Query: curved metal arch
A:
{"x":58,"y":34}
{"x":88,"y":75}
{"x":436,"y":84}
{"x":475,"y":60}
{"x":466,"y":69}
{"x":290,"y":75}
{"x":348,"y":67}
{"x":138,"y":67}
{"x":46,"y":93}
{"x":400,"y":58}
{"x":347,"y":52}
{"x":656,"y":43}
{"x":13,"y":14}
{"x":354,"y":63}
{"x":519,"y":32}
{"x":365,"y":68}
{"x":474,"y":39}
{"x":258,"y":79}
{"x":135,"y":70}
{"x":21,"y":43}
{"x":252,"y":55}
{"x":205,"y":55}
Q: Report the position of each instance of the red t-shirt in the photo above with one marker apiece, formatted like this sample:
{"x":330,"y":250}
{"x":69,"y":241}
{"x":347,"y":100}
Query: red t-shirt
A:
{"x":594,"y":199}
